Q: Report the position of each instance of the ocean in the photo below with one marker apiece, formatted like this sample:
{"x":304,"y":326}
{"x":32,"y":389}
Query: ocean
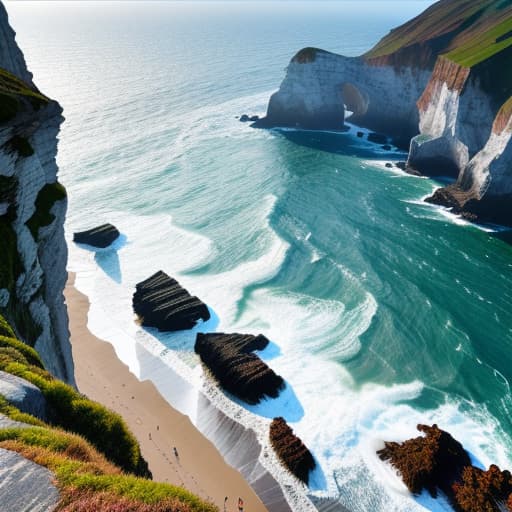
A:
{"x":383,"y":312}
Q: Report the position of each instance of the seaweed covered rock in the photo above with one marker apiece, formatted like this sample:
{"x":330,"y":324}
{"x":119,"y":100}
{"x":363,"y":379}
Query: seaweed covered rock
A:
{"x":483,"y":491}
{"x":161,"y":302}
{"x":291,"y":450}
{"x":231,"y":360}
{"x":431,"y":462}
{"x":101,"y":236}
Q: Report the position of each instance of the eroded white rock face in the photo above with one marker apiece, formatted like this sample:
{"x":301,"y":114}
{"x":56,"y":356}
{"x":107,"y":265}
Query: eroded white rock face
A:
{"x":314,"y":90}
{"x":39,"y":288}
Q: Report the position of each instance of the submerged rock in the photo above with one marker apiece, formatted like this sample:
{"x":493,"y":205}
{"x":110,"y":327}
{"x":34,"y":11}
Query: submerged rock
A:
{"x":240,"y":372}
{"x":291,"y":450}
{"x":378,"y":138}
{"x":161,"y":302}
{"x":360,"y":134}
{"x":244,"y":118}
{"x":101,"y":236}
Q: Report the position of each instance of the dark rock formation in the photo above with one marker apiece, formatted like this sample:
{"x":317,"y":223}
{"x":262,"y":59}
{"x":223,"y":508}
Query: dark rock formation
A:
{"x":431,"y":462}
{"x":254,"y":118}
{"x":291,"y":450}
{"x":468,"y":206}
{"x":378,"y":138}
{"x":483,"y":491}
{"x":161,"y":302}
{"x":101,"y":236}
{"x":240,"y":372}
{"x":389,"y":165}
{"x":244,"y":118}
{"x":360,"y":134}
{"x":438,"y":461}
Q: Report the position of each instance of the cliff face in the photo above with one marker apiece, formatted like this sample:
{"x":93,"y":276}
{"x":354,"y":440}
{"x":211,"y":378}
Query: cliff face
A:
{"x":32,"y":211}
{"x":442,"y":79}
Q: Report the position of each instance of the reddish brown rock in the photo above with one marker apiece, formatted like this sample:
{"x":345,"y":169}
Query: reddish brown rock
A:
{"x":291,"y":450}
{"x":431,"y":462}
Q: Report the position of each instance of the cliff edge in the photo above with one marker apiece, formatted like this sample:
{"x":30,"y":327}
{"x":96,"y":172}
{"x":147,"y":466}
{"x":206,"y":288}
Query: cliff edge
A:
{"x":32,"y":211}
{"x":441,"y":82}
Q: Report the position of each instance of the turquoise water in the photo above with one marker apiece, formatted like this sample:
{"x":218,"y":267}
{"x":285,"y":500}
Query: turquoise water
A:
{"x":383,"y":311}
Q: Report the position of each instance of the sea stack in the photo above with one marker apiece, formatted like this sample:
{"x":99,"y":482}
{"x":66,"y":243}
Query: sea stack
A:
{"x":161,"y":302}
{"x":291,"y":450}
{"x":101,"y":236}
{"x":230,"y":359}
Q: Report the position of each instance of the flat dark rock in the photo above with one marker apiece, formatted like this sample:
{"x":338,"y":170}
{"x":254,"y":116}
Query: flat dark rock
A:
{"x":161,"y":302}
{"x":231,"y":360}
{"x":101,"y":236}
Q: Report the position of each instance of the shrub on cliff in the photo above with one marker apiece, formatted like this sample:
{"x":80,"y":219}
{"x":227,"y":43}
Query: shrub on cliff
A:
{"x":45,"y":200}
{"x":291,"y":450}
{"x":88,"y":482}
{"x":71,"y":410}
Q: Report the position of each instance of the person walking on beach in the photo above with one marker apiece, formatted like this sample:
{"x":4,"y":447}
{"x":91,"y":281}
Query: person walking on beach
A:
{"x":240,"y":504}
{"x":225,"y":501}
{"x":176,"y":453}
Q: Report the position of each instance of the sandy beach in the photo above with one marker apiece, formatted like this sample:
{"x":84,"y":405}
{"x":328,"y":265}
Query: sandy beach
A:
{"x":198,"y":466}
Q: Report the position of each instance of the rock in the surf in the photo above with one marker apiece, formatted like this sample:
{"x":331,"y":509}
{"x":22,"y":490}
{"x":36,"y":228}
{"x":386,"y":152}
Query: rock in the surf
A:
{"x":238,"y":370}
{"x":101,"y":236}
{"x":161,"y":302}
{"x":291,"y":450}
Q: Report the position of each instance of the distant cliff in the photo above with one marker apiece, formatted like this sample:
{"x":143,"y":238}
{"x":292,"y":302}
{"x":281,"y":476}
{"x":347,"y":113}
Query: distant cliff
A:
{"x":32,"y":210}
{"x":443,"y":80}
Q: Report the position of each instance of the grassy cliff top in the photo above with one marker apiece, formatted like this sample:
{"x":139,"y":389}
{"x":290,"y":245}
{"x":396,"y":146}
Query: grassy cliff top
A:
{"x":465,"y":31}
{"x":13,"y":86}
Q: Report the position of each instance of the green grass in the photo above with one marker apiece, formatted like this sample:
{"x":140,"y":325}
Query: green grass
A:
{"x":465,"y":31}
{"x":80,"y":469}
{"x":29,"y":354}
{"x":14,"y":95}
{"x":45,"y":200}
{"x":483,"y":45}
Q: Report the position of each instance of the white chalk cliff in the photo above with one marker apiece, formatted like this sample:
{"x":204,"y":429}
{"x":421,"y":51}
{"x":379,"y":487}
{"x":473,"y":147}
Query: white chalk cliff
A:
{"x":32,"y":211}
{"x":441,"y":81}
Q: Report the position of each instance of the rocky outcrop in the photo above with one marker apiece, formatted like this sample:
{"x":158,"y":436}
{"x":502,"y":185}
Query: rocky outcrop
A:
{"x":161,"y":302}
{"x":437,"y":461}
{"x":441,"y":79}
{"x":291,"y":450}
{"x":101,"y":236}
{"x":25,"y":486}
{"x":319,"y":86}
{"x":431,"y":462}
{"x":231,"y":360}
{"x":23,"y":395}
{"x":32,"y":210}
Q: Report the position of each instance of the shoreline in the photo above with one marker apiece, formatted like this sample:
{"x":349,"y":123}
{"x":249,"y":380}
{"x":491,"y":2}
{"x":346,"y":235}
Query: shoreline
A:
{"x":199,"y":467}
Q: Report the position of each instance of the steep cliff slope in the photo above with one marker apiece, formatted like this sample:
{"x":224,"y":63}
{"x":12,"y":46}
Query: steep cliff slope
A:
{"x":445,"y":74}
{"x":32,"y":210}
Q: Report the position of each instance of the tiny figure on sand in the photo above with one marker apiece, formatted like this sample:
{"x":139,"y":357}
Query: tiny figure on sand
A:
{"x":240,"y":505}
{"x":176,"y":453}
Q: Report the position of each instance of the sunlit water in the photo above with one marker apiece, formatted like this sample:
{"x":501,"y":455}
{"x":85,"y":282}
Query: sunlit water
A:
{"x":383,"y":312}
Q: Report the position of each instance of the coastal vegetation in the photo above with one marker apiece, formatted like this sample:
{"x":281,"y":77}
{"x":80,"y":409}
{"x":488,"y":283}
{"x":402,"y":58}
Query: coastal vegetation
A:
{"x":16,"y":95}
{"x":88,"y":448}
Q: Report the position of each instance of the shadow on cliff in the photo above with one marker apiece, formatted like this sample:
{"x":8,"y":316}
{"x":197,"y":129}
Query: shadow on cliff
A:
{"x":340,"y":143}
